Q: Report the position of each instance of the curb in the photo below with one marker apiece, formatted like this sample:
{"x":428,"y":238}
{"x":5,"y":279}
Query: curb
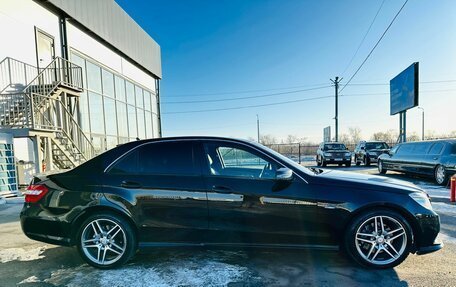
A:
{"x":15,"y":200}
{"x":2,"y":201}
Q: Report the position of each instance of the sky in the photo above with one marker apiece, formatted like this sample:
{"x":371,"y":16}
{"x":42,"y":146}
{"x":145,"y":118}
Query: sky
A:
{"x":275,"y":51}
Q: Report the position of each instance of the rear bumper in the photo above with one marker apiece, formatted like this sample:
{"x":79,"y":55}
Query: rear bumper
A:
{"x":429,"y":249}
{"x":45,"y":229}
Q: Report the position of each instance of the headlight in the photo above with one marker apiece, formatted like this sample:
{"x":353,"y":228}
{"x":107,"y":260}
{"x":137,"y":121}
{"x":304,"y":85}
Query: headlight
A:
{"x":327,"y":154}
{"x":422,"y":199}
{"x":348,"y":154}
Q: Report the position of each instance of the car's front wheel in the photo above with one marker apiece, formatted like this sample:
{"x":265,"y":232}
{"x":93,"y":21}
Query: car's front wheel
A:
{"x":379,"y":239}
{"x":440,"y":175}
{"x":106,"y":240}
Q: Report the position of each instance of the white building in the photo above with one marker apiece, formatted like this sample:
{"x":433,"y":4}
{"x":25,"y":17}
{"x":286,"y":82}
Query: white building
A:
{"x":76,"y":78}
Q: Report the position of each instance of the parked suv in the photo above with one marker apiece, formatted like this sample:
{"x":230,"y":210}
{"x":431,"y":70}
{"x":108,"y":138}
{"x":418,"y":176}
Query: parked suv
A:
{"x":368,"y":151}
{"x":436,"y":159}
{"x":333,"y":153}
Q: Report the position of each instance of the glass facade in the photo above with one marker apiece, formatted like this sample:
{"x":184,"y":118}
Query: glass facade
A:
{"x":114,"y":109}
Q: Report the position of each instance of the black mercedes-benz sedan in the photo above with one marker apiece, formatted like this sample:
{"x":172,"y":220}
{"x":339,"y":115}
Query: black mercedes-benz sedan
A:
{"x":219,"y":192}
{"x":436,"y":158}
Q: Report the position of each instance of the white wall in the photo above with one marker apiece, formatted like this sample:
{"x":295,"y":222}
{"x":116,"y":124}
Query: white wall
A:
{"x":85,"y":44}
{"x":18,"y":19}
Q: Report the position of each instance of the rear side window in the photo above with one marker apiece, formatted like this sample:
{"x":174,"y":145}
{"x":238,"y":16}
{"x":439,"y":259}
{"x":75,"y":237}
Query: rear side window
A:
{"x":421,"y":148}
{"x":436,"y":149}
{"x":170,"y":158}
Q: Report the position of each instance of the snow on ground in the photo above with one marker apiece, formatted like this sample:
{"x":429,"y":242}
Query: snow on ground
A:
{"x":20,"y":254}
{"x":194,"y":271}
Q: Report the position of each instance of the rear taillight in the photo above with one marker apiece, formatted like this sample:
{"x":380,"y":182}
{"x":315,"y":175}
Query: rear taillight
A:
{"x":35,"y":192}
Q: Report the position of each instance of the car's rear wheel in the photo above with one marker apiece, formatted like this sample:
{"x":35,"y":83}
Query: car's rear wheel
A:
{"x":348,"y":164}
{"x":379,"y":239}
{"x":381,"y":168}
{"x":356,"y":161}
{"x":106,"y":240}
{"x":440,"y":175}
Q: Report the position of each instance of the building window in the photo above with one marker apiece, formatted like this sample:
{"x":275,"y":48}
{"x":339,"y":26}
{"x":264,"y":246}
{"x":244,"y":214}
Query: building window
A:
{"x":132,"y":129}
{"x":139,"y":97}
{"x":93,"y":77}
{"x":96,"y":113}
{"x":130,"y":88}
{"x":120,"y":89}
{"x":108,"y":83}
{"x":141,"y":124}
{"x":110,"y":109}
{"x":122,"y":123}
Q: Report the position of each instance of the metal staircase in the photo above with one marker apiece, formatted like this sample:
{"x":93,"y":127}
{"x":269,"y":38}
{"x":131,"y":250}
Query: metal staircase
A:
{"x":42,"y":106}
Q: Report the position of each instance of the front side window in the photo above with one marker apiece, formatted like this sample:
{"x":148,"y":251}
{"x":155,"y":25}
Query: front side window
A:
{"x":166,"y":158}
{"x":236,"y":161}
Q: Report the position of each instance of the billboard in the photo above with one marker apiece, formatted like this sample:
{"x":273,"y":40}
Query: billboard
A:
{"x":327,"y":134}
{"x":404,"y":90}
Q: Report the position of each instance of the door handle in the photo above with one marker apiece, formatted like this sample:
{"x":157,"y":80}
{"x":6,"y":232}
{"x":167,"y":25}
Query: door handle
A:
{"x":435,"y":158}
{"x":221,"y":189}
{"x":130,"y":184}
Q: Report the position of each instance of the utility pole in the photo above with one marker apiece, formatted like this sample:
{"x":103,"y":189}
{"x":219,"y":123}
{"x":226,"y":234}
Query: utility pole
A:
{"x":422,"y":123}
{"x":258,"y":128}
{"x":336,"y":82}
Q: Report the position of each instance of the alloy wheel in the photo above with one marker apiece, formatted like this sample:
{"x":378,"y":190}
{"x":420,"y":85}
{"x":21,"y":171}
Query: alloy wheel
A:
{"x":440,"y":174}
{"x":103,"y":241}
{"x":381,"y":240}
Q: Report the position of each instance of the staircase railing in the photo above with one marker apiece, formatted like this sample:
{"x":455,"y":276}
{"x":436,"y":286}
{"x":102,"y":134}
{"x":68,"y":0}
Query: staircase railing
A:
{"x":35,"y":107}
{"x":59,"y":71}
{"x":15,"y":74}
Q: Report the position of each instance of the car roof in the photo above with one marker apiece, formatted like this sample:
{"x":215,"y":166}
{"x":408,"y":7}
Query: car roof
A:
{"x":450,"y":141}
{"x":178,"y":138}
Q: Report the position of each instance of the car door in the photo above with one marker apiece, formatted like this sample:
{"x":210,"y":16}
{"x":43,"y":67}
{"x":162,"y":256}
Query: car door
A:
{"x":419,"y":161}
{"x":433,"y":157}
{"x":248,"y":205}
{"x":163,"y":182}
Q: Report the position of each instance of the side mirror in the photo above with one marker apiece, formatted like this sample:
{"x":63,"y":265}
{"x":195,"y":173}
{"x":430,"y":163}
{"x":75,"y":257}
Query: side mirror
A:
{"x":284,"y":174}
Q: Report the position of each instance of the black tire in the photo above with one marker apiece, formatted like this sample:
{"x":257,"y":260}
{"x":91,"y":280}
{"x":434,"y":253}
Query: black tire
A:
{"x":367,"y":161}
{"x":323,"y":162}
{"x":380,"y":258}
{"x":380,"y":167}
{"x":348,"y":164}
{"x":441,"y":179}
{"x":126,"y":240}
{"x":318,"y":162}
{"x":356,"y":161}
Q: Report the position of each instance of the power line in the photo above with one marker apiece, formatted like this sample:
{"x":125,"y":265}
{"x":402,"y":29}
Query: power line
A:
{"x":382,"y":94}
{"x":245,"y":98}
{"x":375,"y":46}
{"x":243,"y":92}
{"x":249,"y":106}
{"x":364,"y":38}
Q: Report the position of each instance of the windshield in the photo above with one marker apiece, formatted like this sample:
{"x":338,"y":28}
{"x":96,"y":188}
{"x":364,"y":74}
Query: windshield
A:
{"x":335,"y":147}
{"x":370,"y":146}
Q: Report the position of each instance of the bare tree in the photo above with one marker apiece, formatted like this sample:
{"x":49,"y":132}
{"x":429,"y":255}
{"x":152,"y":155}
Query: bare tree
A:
{"x":413,"y":137}
{"x":267,"y":139}
{"x":355,"y":134}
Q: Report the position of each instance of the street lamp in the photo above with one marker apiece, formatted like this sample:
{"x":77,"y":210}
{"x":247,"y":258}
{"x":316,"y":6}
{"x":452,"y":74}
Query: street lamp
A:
{"x":422,"y":128}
